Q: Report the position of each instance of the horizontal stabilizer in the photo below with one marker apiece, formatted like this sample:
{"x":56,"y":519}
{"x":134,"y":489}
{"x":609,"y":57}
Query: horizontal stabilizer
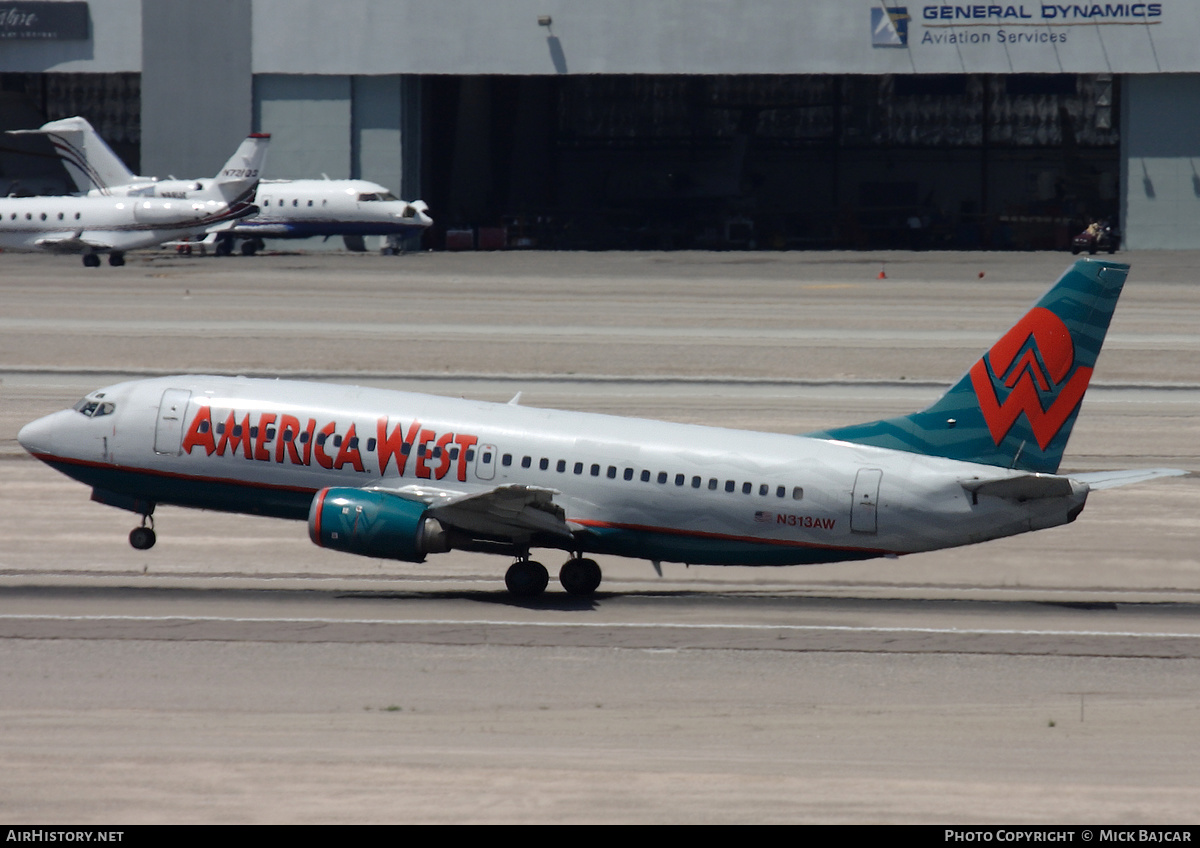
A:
{"x":1025,"y":487}
{"x":1112,"y":479}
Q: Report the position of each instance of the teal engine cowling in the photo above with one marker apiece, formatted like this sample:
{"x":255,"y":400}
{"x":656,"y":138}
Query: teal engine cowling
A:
{"x":375,"y":524}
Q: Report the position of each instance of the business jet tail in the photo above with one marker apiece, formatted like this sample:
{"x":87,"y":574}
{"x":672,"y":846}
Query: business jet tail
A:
{"x":90,"y":162}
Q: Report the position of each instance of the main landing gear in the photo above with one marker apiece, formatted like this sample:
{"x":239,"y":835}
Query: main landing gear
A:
{"x":528,"y":579}
{"x":143,"y":537}
{"x":115,"y":259}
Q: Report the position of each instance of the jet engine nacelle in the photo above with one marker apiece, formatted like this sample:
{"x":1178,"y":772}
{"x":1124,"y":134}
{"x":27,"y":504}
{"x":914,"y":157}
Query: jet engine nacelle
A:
{"x":376,"y":524}
{"x":158,"y":211}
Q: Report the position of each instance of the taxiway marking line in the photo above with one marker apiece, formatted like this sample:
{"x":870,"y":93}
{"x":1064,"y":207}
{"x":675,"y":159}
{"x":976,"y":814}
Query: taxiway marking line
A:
{"x":177,"y":619}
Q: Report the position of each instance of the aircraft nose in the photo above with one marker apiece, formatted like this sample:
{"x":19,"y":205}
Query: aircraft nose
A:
{"x":37,"y":437}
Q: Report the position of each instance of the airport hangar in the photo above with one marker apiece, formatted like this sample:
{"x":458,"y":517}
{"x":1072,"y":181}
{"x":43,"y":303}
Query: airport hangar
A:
{"x":672,"y":124}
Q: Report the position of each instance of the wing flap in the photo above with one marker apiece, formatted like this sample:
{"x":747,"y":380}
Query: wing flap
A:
{"x":505,"y":511}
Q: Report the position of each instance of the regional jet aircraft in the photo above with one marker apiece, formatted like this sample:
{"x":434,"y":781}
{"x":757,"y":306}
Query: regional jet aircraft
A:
{"x":400,"y":476}
{"x":113,"y":225}
{"x":288,"y":209}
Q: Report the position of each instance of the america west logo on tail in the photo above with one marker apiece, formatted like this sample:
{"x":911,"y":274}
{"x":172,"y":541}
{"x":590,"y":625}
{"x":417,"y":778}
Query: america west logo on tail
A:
{"x":1016,"y":406}
{"x":1031,"y":361}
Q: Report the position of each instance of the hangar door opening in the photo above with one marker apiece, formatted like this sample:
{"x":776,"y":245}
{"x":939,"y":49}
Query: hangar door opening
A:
{"x":769,"y":162}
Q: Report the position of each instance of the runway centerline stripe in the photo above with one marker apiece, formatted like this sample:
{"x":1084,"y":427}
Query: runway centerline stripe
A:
{"x":599,"y":625}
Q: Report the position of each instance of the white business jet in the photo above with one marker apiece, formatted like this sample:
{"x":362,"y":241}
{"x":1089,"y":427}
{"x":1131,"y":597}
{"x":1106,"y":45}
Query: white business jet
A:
{"x":101,"y":224}
{"x":400,"y":476}
{"x":288,"y":209}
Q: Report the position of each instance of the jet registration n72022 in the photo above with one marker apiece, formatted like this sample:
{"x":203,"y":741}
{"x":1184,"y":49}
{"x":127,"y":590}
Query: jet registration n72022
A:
{"x":401,"y":476}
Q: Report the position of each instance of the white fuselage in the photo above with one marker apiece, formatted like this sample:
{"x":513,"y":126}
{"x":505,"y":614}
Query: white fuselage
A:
{"x":64,"y":224}
{"x":634,"y":487}
{"x":303,"y":208}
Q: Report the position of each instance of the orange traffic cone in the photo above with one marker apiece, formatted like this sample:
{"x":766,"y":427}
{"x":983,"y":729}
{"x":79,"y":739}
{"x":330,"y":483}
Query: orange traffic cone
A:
{"x":882,"y":276}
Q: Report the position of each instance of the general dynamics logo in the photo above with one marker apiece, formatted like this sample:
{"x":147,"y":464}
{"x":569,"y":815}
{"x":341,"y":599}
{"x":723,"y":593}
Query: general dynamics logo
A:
{"x":889,"y":26}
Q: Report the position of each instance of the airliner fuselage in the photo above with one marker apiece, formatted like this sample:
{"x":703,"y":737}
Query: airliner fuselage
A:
{"x":650,"y":489}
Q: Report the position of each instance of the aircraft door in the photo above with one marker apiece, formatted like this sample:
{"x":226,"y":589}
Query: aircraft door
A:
{"x":168,"y":431}
{"x":485,"y":461}
{"x":863,"y":517}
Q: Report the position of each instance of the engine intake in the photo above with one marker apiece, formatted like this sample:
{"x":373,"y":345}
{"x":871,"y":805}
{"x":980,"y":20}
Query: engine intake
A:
{"x":375,"y":524}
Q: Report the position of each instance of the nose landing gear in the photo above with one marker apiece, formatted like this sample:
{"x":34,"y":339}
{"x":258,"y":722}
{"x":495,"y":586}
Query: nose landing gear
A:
{"x":143,"y":537}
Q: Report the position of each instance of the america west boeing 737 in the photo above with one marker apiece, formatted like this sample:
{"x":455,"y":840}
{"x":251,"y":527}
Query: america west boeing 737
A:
{"x":397,"y":475}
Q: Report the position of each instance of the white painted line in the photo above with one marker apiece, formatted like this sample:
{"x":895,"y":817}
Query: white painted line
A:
{"x":178,"y":619}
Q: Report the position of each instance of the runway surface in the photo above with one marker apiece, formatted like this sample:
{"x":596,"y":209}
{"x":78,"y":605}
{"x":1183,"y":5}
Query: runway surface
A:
{"x":238,"y":673}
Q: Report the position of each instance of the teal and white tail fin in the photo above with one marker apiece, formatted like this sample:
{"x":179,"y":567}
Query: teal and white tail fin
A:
{"x":1017,"y":404}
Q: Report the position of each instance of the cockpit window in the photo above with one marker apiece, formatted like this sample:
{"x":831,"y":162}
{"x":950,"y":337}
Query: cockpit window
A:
{"x":93,"y":407}
{"x":365,"y":197}
{"x":383,"y":195}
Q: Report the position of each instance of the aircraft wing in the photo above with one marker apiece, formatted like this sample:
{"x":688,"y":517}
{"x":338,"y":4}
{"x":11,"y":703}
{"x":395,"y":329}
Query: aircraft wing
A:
{"x":505,"y":511}
{"x":1112,"y":479}
{"x":75,"y":243}
{"x":250,"y":229}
